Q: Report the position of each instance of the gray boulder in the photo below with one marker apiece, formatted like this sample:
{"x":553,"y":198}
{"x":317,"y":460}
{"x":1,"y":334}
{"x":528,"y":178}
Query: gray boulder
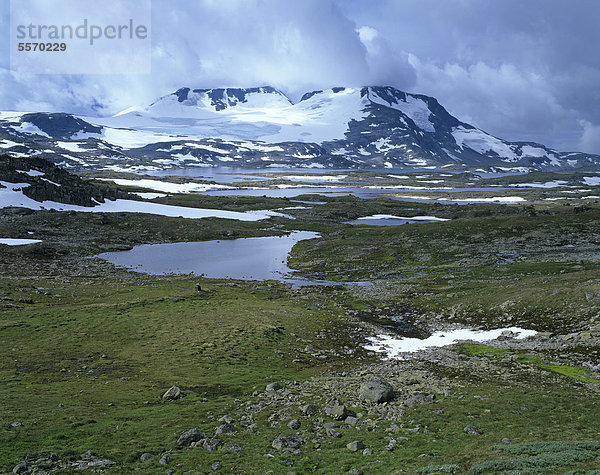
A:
{"x":232,"y":448}
{"x":212,"y":444}
{"x":355,"y":446}
{"x":336,"y":410}
{"x":308,"y":409}
{"x":351,"y":420}
{"x":472,"y":430}
{"x":174,"y":392}
{"x":273,"y":387}
{"x":145,"y":457}
{"x":287,"y":441}
{"x":21,"y":468}
{"x":376,"y":391}
{"x":189,"y":437}
{"x":226,"y":429}
{"x":294,"y":424}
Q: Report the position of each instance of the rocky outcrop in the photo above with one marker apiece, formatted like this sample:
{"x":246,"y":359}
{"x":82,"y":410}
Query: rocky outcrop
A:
{"x":376,"y":391}
{"x":48,"y":182}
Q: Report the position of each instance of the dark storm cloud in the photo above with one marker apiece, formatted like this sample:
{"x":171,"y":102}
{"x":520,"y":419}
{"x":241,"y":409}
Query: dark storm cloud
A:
{"x":521,"y":70}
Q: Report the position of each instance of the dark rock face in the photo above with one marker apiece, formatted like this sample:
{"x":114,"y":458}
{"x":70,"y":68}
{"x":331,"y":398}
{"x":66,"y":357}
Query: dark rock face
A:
{"x":308,"y":95}
{"x":60,"y":126}
{"x":222,"y":98}
{"x":182,"y":94}
{"x":47,"y":182}
{"x":376,"y":391}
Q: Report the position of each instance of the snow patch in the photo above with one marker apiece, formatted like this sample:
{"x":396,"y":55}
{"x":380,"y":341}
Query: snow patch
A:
{"x":483,"y":143}
{"x":12,"y":195}
{"x":591,"y":180}
{"x":167,"y":187}
{"x":18,"y":242}
{"x":414,"y":218}
{"x":31,"y":172}
{"x":395,"y":347}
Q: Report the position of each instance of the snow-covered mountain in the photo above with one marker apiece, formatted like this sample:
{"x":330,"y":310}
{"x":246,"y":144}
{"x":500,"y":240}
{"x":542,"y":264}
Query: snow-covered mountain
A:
{"x":261,"y":127}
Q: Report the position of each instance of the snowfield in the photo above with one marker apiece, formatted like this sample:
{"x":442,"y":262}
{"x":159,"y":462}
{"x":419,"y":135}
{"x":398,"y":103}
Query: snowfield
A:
{"x":12,"y":196}
{"x":167,"y":187}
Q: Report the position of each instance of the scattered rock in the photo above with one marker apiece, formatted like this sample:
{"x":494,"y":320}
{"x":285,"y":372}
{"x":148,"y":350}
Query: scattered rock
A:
{"x":367,"y":452}
{"x":351,"y":420}
{"x":472,"y":430}
{"x":287,"y":441}
{"x":507,"y":441}
{"x":507,"y":335}
{"x":174,"y":392}
{"x":215,"y":466}
{"x":273,"y":387}
{"x":232,"y":448}
{"x":16,"y":424}
{"x":336,"y":410}
{"x":391,"y":446}
{"x":46,"y":463}
{"x":376,"y":391}
{"x":189,"y":436}
{"x":420,"y":398}
{"x":294,"y":424}
{"x":227,"y":419}
{"x":355,"y":446}
{"x":308,"y":409}
{"x":225,"y":429}
{"x":333,"y":433}
{"x":145,"y":457}
{"x":165,"y":459}
{"x":212,"y":444}
{"x":21,"y":468}
{"x":89,"y":460}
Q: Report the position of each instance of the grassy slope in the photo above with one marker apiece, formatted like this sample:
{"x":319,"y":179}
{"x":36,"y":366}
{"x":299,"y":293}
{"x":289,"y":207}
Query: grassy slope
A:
{"x":220,"y":347}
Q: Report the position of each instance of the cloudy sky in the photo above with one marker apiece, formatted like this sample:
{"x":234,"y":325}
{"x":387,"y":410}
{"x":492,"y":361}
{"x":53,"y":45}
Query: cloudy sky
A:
{"x":521,"y":70}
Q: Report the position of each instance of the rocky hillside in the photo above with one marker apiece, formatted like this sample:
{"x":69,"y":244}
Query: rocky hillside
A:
{"x":44,"y":181}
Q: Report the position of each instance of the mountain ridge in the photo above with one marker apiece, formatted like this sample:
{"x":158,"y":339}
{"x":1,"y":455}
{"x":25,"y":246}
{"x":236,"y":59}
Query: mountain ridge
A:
{"x":341,"y":127}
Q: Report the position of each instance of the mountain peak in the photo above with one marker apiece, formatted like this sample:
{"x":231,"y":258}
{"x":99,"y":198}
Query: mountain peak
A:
{"x":222,"y":98}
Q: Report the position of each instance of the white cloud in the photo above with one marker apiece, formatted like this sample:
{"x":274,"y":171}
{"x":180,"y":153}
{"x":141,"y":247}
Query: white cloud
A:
{"x":502,"y":99}
{"x":521,"y":71}
{"x":590,"y":139}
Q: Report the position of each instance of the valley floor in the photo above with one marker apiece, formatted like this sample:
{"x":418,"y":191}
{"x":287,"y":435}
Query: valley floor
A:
{"x":88,"y":350}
